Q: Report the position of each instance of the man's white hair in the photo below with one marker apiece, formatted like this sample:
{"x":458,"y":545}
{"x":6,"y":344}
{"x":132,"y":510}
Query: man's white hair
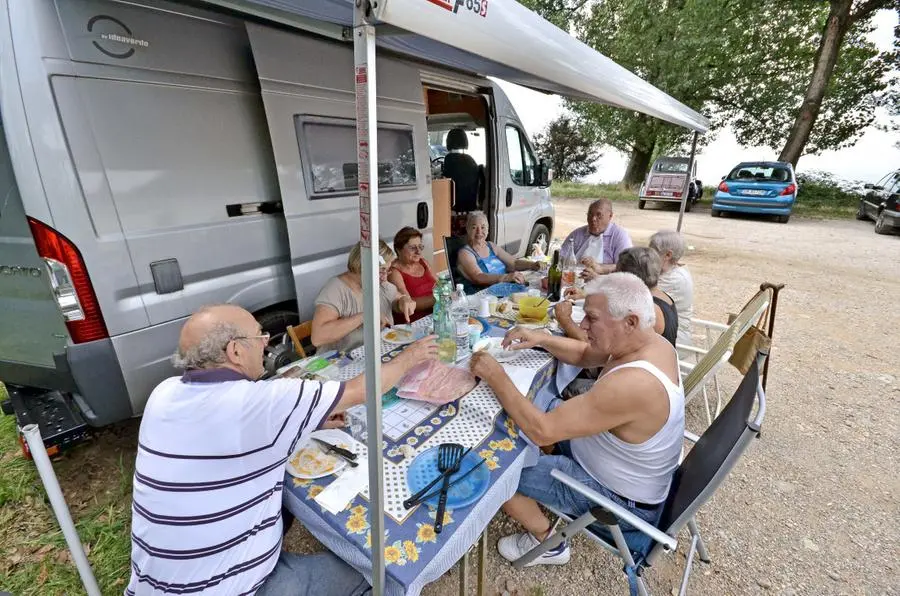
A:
{"x":625,"y":294}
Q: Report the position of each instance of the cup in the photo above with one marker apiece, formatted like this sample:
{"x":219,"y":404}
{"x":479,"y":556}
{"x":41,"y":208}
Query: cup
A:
{"x":474,"y":334}
{"x":534,"y":293}
{"x":484,"y":306}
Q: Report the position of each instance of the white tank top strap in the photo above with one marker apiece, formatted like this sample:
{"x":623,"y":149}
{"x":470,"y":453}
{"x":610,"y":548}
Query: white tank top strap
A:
{"x":653,"y":370}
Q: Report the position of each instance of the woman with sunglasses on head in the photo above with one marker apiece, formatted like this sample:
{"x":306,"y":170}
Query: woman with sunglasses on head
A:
{"x":411,"y":273}
{"x":338,"y":319}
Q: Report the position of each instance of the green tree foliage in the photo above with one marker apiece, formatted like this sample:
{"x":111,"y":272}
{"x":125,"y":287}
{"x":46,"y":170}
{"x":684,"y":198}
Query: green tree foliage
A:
{"x":571,"y":154}
{"x":744,"y":63}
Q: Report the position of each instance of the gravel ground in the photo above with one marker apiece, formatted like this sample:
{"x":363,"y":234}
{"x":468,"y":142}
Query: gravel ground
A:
{"x":813,"y":506}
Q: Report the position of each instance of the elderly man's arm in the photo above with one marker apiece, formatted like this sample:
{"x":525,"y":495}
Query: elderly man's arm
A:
{"x":563,"y":312}
{"x":606,"y":406}
{"x":565,"y":349}
{"x":391,"y":372}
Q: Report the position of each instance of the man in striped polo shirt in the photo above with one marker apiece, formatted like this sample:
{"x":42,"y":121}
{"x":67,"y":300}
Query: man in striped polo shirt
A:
{"x":206,"y":514}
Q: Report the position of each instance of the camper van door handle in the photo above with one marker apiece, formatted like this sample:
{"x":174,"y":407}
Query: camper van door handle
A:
{"x":422,"y":216}
{"x":509,"y":197}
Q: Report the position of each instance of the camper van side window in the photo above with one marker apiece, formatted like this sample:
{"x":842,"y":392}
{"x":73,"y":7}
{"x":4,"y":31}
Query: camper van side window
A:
{"x":521,"y":158}
{"x":328,"y":155}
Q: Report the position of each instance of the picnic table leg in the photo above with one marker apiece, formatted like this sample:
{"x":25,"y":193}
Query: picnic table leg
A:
{"x":463,"y":573}
{"x":482,"y":561}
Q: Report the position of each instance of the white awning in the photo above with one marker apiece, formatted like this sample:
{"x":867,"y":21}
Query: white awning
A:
{"x":503,"y":39}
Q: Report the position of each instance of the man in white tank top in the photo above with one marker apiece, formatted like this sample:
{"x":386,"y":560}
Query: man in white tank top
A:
{"x":621,"y":438}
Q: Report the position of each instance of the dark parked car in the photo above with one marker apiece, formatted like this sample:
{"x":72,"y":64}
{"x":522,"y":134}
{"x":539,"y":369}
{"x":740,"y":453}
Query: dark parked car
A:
{"x":881,"y":203}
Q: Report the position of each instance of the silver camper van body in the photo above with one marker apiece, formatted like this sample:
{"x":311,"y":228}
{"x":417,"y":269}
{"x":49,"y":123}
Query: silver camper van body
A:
{"x":158,"y":157}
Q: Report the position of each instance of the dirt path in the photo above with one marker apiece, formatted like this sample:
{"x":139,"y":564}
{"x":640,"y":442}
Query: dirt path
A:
{"x":813,"y":508}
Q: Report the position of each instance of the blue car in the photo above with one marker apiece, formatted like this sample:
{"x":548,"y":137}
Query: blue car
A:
{"x":762,"y":187}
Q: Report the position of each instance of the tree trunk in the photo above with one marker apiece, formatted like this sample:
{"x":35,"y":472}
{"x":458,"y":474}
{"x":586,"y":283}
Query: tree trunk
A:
{"x":826,"y":56}
{"x":638,"y":164}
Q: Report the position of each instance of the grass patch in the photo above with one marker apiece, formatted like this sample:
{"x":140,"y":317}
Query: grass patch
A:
{"x":96,"y":480}
{"x":819,"y":196}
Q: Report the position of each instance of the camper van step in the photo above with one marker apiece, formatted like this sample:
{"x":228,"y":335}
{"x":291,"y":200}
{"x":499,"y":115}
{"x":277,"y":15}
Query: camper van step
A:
{"x":62,"y":426}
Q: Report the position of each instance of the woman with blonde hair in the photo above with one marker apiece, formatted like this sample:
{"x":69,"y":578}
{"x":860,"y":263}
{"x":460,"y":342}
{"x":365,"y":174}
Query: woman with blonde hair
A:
{"x":482,"y":263}
{"x":338,"y":319}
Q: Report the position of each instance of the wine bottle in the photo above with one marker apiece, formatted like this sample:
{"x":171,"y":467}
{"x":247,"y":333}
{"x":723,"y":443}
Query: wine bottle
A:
{"x":554,"y":279}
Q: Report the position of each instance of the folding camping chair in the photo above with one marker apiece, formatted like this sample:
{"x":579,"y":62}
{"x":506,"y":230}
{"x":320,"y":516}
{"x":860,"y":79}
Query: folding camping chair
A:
{"x":698,"y":477}
{"x":452,"y":244}
{"x":718,"y":353}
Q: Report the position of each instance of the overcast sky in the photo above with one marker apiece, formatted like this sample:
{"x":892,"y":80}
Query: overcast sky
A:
{"x":871,"y":158}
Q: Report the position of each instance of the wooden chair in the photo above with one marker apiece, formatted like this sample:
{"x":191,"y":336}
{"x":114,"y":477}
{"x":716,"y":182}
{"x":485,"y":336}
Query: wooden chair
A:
{"x":298,"y":333}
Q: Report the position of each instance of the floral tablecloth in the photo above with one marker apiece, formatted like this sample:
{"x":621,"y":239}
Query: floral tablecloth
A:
{"x":415,"y":555}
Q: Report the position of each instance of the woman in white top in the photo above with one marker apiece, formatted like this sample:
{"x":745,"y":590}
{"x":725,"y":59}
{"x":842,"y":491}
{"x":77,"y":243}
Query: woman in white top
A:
{"x":675,"y":280}
{"x":338,"y":319}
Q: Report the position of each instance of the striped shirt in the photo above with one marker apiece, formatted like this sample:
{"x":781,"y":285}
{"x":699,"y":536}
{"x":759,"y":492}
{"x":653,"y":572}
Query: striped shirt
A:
{"x":206,"y":512}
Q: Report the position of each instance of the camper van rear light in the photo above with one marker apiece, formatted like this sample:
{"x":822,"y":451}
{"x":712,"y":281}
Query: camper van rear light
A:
{"x":788,"y":190}
{"x":71,"y":283}
{"x":66,"y":297}
{"x":677,"y":193}
{"x":723,"y":187}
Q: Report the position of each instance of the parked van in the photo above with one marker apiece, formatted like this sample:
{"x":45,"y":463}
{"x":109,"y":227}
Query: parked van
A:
{"x":665,"y":182}
{"x":159,"y":157}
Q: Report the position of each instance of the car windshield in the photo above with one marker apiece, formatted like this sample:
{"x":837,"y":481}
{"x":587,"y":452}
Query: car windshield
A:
{"x":760,"y":173}
{"x":671,"y":167}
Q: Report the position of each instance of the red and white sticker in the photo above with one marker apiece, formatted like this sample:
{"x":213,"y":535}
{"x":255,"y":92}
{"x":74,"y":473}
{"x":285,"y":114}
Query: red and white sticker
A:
{"x":479,"y":7}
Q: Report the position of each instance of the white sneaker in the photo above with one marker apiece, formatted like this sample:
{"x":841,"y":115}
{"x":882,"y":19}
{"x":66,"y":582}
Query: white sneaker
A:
{"x":516,"y":546}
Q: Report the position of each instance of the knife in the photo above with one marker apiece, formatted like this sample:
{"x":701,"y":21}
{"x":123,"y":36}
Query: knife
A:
{"x":329,"y":448}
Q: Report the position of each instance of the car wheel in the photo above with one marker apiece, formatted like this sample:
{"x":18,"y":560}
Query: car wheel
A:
{"x":641,"y":203}
{"x":688,"y":205}
{"x":881,"y":226}
{"x":276,"y":322}
{"x":783,"y":218}
{"x":541,"y":234}
{"x":716,"y":213}
{"x":861,"y":212}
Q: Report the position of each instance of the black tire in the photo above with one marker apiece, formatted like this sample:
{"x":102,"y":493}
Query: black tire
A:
{"x":688,"y":205}
{"x":641,"y":203}
{"x":538,"y":233}
{"x":275,"y":322}
{"x":783,"y":218}
{"x":881,"y":226}
{"x":861,"y":212}
{"x":716,"y":213}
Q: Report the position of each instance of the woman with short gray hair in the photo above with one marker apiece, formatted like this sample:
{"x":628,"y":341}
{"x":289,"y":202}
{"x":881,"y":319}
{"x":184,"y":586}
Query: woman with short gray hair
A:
{"x":482,"y":263}
{"x":646,"y":264}
{"x":675,"y":280}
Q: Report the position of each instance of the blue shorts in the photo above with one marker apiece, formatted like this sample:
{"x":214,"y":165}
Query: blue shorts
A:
{"x":536,"y":483}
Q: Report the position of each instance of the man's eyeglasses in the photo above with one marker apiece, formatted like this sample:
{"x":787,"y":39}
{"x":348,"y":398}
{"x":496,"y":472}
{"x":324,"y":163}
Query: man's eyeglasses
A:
{"x":263,"y":336}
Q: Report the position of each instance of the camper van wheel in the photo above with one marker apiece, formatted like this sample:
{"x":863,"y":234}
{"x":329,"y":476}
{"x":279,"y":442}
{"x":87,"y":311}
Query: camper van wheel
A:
{"x":541,"y":234}
{"x":641,"y":203}
{"x":689,"y":204}
{"x":275,"y":322}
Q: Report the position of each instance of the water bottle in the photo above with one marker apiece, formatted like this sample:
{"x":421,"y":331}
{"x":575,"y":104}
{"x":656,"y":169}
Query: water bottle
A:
{"x":459,"y":312}
{"x":443,"y":323}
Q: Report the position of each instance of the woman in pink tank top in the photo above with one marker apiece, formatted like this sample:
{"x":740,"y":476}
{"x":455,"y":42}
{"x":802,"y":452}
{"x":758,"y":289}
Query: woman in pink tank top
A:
{"x":411,"y":273}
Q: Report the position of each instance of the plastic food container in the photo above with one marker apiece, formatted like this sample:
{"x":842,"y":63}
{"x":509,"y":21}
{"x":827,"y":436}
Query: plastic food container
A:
{"x":534,"y":307}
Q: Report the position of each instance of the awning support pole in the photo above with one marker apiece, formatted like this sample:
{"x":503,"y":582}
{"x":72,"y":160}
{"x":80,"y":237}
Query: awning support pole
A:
{"x":367,"y":155}
{"x":687,"y":180}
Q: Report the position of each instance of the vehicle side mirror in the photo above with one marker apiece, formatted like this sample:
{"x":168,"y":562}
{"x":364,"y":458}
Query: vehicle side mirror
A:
{"x":543,"y":174}
{"x":723,"y":177}
{"x":868,"y":186}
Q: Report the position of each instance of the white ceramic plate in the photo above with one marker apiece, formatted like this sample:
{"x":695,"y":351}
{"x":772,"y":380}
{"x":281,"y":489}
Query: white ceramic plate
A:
{"x":309,"y":461}
{"x":492,"y":345}
{"x":399,"y":335}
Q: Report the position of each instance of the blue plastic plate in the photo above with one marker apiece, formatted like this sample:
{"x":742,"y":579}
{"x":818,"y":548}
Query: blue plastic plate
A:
{"x":424,"y":469}
{"x":502,"y":290}
{"x":485,"y":326}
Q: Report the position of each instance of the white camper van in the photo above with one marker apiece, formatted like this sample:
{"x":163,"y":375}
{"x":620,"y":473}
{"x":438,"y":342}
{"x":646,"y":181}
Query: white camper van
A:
{"x":156,"y":157}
